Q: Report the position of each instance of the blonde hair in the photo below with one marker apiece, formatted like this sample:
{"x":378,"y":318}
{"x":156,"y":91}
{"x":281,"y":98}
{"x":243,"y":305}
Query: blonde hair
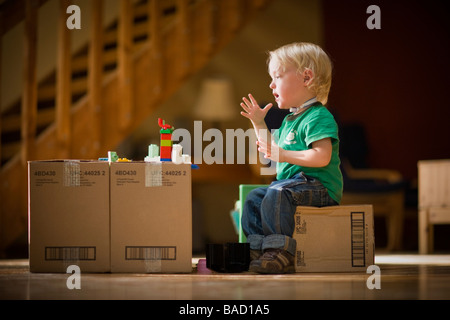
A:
{"x":305,"y":55}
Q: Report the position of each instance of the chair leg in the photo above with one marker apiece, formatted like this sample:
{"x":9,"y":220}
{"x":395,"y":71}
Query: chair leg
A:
{"x":394,"y":210}
{"x":391,"y":232}
{"x":425,"y":233}
{"x":396,"y":222}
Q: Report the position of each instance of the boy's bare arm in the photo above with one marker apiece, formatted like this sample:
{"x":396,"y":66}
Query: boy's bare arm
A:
{"x":318,"y":156}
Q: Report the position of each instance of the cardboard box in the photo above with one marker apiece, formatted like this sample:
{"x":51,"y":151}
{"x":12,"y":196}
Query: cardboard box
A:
{"x":334,"y":239}
{"x":68,"y":215}
{"x":151,"y":217}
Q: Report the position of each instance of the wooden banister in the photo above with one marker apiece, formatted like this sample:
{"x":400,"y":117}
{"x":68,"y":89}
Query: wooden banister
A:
{"x":208,"y":38}
{"x":183,"y":34}
{"x":156,"y":56}
{"x":29,"y":97}
{"x":1,"y":50}
{"x":95,"y":72}
{"x":63,"y":84}
{"x":235,"y":14}
{"x":125,"y":76}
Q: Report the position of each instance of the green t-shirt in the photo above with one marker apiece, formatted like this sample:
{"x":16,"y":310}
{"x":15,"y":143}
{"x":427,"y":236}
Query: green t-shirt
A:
{"x":298,"y":132}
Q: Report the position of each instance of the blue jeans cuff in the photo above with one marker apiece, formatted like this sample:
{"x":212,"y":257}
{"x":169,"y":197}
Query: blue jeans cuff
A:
{"x":279,"y":241}
{"x":255,"y":241}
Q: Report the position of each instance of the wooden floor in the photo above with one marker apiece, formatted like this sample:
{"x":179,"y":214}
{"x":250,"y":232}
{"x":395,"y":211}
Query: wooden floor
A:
{"x":402,"y":276}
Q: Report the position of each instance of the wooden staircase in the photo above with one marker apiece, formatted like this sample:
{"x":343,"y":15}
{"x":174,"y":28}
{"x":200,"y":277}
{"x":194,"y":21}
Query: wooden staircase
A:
{"x":98,"y":96}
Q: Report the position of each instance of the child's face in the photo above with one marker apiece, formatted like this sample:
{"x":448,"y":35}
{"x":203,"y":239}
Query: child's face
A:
{"x":288,"y":87}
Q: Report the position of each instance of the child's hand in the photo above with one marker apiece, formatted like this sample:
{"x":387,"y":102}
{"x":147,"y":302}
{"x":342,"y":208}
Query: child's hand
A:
{"x":269,"y":147}
{"x":252,"y":110}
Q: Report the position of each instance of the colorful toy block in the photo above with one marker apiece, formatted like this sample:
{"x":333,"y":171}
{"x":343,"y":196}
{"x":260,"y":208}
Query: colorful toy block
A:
{"x":112,"y":156}
{"x":153,"y":151}
{"x":166,"y":140}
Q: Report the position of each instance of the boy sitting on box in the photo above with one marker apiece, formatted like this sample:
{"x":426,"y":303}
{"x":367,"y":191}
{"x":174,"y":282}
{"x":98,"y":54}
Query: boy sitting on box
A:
{"x":306,"y":149}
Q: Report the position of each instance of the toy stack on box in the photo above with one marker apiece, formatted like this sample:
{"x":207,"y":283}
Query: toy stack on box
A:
{"x":111,"y":215}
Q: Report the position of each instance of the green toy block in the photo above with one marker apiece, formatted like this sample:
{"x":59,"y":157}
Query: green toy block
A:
{"x":153,"y":151}
{"x":244,"y":189}
{"x":170,"y":130}
{"x":112,"y":156}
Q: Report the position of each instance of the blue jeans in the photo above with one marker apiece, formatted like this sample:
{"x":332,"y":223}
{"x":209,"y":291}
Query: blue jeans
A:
{"x":268,"y":212}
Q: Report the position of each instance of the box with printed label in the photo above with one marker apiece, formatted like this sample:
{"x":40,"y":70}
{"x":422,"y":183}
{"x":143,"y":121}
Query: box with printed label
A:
{"x":334,"y":239}
{"x":151,"y":217}
{"x":68,"y":215}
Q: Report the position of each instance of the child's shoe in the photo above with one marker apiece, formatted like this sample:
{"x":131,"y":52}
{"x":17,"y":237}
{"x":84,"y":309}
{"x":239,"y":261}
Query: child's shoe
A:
{"x":255,"y":254}
{"x":273,"y":261}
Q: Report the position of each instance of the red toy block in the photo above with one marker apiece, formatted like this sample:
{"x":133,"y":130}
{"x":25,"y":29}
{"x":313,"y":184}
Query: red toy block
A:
{"x":166,"y":153}
{"x":166,"y":136}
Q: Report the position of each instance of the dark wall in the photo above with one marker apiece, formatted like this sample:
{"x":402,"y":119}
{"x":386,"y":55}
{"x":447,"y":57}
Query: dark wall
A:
{"x":394,"y":80}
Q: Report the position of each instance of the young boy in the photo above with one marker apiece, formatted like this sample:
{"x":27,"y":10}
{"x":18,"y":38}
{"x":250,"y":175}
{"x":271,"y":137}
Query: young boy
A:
{"x":306,"y":149}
